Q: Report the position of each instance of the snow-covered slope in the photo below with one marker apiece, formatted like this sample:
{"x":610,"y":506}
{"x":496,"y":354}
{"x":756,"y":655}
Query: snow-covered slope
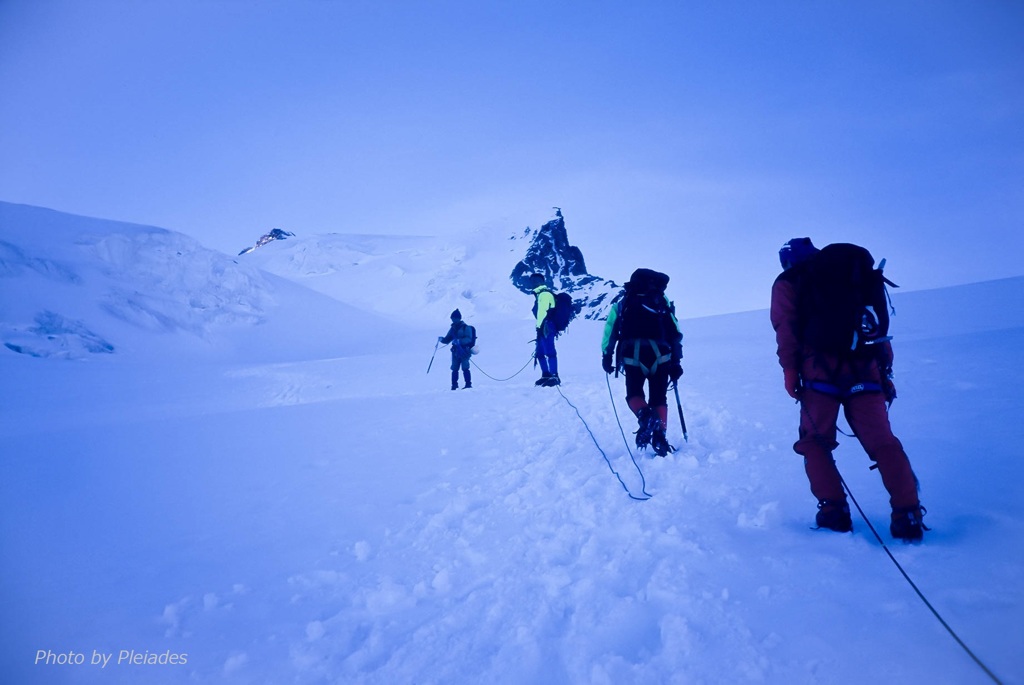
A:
{"x":76,"y":287}
{"x":348,"y":519}
{"x":416,"y":280}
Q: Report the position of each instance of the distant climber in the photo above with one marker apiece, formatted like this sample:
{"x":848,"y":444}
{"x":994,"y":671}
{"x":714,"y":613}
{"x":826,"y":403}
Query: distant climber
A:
{"x":462,"y":337}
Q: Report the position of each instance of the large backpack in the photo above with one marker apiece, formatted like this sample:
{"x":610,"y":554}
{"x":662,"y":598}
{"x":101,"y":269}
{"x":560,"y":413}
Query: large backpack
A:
{"x":466,"y":337}
{"x":644,"y":311}
{"x":645,"y":331}
{"x":562,"y":313}
{"x":842,"y":304}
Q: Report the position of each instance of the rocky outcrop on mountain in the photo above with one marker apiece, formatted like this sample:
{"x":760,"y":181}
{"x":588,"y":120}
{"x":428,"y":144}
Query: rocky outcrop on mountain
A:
{"x":275,"y":234}
{"x":54,"y":335}
{"x":562,"y":265}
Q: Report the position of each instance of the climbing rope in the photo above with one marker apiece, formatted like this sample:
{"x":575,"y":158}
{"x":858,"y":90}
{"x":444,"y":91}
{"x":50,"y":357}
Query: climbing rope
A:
{"x":643,"y":481}
{"x":502,"y":380}
{"x":920,"y":594}
{"x":906,"y":576}
{"x":622,"y":431}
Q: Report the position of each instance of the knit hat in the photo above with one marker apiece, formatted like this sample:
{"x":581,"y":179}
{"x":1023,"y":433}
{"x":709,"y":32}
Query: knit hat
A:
{"x":456,"y":315}
{"x":796,"y":251}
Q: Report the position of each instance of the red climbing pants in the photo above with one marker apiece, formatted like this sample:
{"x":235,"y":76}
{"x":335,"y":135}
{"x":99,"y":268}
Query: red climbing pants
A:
{"x":867,"y":416}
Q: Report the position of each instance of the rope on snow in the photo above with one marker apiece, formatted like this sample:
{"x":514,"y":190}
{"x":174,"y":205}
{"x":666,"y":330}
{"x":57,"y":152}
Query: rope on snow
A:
{"x":643,"y":481}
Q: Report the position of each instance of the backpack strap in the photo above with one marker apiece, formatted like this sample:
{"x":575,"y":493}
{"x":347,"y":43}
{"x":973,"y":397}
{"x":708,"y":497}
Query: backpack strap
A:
{"x":457,"y":346}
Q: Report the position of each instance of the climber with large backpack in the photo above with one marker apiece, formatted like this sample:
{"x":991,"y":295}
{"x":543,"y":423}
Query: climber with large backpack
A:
{"x":642,"y":340}
{"x":543,"y":312}
{"x":462,"y":337}
{"x":830,"y":312}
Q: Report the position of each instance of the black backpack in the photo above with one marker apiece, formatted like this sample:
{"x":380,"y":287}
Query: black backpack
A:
{"x":563,"y":312}
{"x":644,"y":311}
{"x":842,"y":303}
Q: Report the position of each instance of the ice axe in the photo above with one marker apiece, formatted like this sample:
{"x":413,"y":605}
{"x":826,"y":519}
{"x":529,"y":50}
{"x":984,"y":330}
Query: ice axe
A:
{"x":433,"y":355}
{"x":679,"y":405}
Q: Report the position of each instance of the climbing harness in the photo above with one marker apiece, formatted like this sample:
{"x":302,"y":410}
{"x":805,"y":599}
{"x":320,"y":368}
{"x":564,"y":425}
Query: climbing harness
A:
{"x":842,"y":393}
{"x":659,"y":357}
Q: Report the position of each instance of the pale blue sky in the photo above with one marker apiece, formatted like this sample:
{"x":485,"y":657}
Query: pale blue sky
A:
{"x":694,"y":137}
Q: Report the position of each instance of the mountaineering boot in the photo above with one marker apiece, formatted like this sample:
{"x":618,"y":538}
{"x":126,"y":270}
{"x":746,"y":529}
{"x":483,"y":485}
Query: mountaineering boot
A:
{"x":647,"y":422}
{"x":658,"y":440}
{"x":659,"y":443}
{"x":455,"y":380}
{"x":907,"y":524}
{"x":552,"y":381}
{"x":834,"y":515}
{"x":543,"y":380}
{"x":469,"y":379}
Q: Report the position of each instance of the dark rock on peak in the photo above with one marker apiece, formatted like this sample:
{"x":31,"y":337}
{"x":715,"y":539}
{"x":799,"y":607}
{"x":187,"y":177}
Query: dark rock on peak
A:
{"x":550,"y":254}
{"x":564,"y":270}
{"x":275,"y":234}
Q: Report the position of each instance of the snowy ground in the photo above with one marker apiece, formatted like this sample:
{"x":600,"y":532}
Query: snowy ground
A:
{"x":272,"y":512}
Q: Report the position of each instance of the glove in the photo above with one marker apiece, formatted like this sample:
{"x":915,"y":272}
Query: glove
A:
{"x":440,"y":338}
{"x":607,"y":364}
{"x":793,"y":385}
{"x":675,"y":370}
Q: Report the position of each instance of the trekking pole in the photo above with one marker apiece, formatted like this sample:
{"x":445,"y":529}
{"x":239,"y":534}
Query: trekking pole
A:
{"x":682,"y":421}
{"x":433,"y":355}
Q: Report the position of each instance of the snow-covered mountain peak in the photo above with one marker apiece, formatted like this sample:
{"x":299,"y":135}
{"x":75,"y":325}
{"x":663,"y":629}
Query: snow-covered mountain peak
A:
{"x":420,"y":280}
{"x":550,"y":253}
{"x":270,"y":236}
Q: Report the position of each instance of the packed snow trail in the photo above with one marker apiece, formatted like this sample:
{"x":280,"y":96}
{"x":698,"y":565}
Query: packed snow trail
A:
{"x":353,"y":520}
